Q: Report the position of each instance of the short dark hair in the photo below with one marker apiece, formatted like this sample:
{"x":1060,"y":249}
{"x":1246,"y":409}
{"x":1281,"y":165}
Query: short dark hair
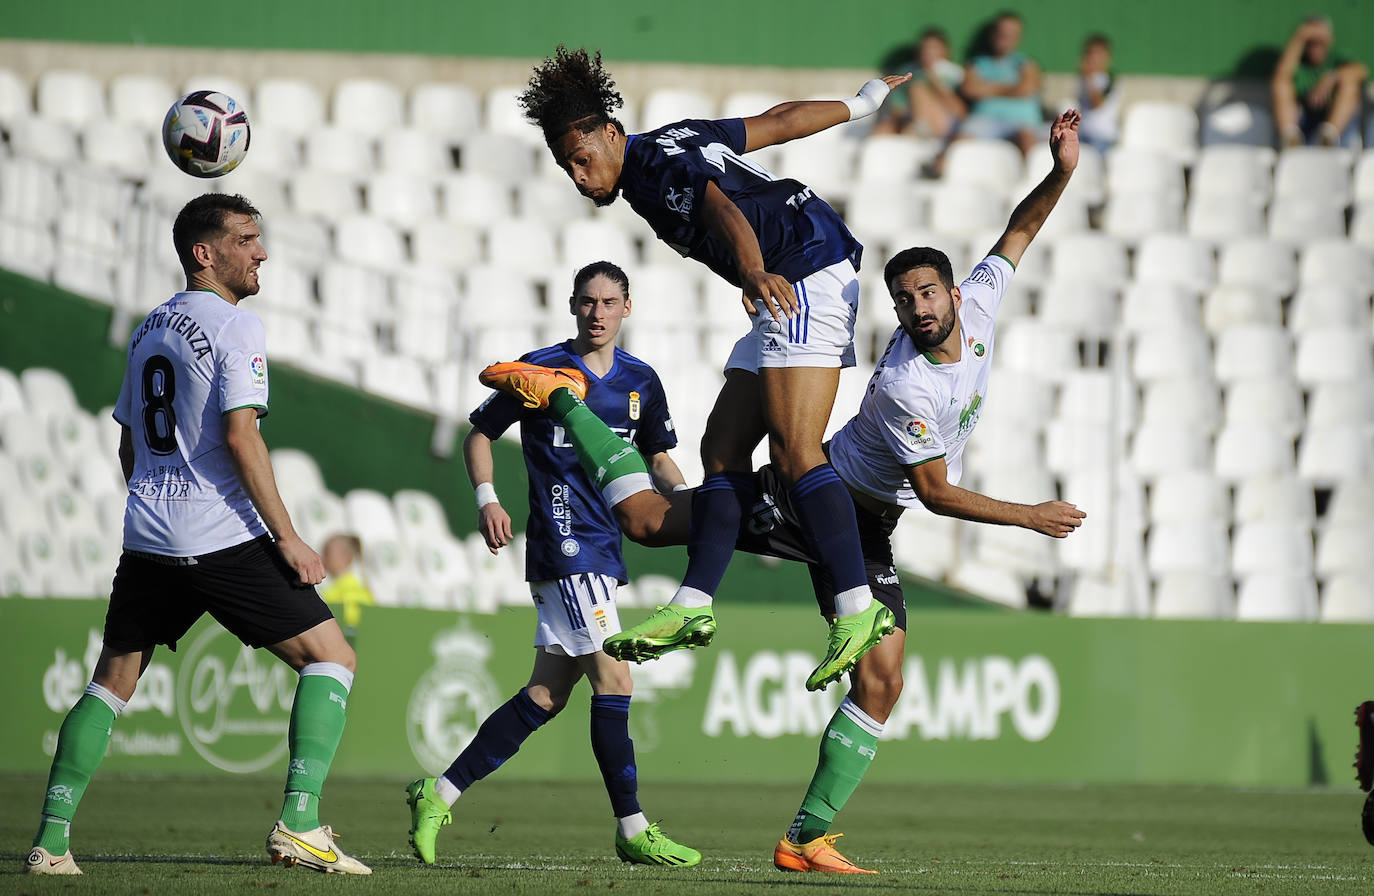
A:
{"x":203,"y":218}
{"x":605,"y":269}
{"x":570,"y":89}
{"x":933,"y":31}
{"x":1097,"y":39}
{"x":919,"y":257}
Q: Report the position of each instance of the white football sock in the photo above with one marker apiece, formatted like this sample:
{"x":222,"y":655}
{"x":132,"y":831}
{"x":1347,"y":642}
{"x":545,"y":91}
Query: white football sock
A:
{"x":691,"y":598}
{"x":855,"y":600}
{"x":632,"y":825}
{"x":444,"y":790}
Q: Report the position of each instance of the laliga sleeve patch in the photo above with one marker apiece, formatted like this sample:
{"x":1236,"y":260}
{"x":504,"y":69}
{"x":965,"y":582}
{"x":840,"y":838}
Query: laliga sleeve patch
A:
{"x":918,"y":434}
{"x":258,"y":366}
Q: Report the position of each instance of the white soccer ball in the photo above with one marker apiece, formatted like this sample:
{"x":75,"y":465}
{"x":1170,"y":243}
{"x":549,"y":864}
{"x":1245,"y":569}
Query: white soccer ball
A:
{"x":206,"y":133}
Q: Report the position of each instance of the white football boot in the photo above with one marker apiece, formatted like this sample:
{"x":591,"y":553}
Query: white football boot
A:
{"x":40,"y":861}
{"x":311,"y":849}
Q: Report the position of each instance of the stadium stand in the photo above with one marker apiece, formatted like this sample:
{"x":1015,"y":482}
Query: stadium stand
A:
{"x":1187,"y":346}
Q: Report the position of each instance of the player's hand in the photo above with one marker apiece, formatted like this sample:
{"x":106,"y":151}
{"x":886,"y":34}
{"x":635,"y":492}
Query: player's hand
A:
{"x":771,"y":289}
{"x":302,"y":558}
{"x":1321,"y":92}
{"x":494,"y":524}
{"x":894,"y":81}
{"x":1056,"y":518}
{"x":1064,"y":140}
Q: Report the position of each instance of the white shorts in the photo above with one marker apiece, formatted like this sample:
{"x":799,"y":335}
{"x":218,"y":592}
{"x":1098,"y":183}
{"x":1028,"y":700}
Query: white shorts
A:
{"x":576,"y":613}
{"x":822,"y":333}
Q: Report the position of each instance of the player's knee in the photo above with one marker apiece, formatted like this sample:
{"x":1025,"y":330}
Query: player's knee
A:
{"x":877,"y":687}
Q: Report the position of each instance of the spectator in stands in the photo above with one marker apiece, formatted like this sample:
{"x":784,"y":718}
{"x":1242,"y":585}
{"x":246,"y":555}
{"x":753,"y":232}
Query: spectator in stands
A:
{"x":930,"y":106}
{"x":342,"y":555}
{"x":1098,"y":97}
{"x":1316,"y":93}
{"x":1003,"y":84}
{"x":573,"y":560}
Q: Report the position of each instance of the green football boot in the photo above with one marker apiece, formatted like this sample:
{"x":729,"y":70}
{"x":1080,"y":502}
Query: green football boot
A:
{"x":653,"y":847}
{"x":667,"y":628}
{"x":427,"y":815}
{"x":850,"y":638}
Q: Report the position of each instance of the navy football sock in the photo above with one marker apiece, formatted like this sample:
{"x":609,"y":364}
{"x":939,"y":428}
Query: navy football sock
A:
{"x":615,"y":752}
{"x":827,"y":515}
{"x":497,"y":740}
{"x":718,"y":508}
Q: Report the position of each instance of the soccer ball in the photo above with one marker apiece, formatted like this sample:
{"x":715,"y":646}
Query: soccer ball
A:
{"x":206,"y":133}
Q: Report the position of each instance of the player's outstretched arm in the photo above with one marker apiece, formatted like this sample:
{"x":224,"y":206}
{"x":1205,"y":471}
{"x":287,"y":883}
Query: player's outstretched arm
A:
{"x":1030,"y":214}
{"x":728,"y":224}
{"x":248,"y":452}
{"x":492,"y":520}
{"x":1055,"y":518}
{"x":802,"y":118}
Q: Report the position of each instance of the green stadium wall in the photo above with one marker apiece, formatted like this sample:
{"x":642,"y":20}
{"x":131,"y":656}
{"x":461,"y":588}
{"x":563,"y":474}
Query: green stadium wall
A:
{"x":988,"y":698}
{"x":1168,"y":37}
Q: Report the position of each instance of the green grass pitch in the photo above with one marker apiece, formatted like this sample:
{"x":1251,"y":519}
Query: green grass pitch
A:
{"x":205,"y":835}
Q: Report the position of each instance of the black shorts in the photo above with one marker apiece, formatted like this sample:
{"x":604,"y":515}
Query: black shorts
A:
{"x":249,"y":589}
{"x":774,"y":529}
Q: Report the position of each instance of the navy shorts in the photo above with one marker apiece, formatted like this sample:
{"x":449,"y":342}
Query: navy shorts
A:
{"x":248,"y":588}
{"x":774,"y":529}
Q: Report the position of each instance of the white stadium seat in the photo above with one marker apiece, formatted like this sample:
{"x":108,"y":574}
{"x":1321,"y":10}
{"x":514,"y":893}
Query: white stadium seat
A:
{"x":288,"y":105}
{"x":71,"y":97}
{"x":1321,"y":304}
{"x":1258,"y":262}
{"x":1242,"y":451}
{"x":1187,"y":495}
{"x":1155,"y":452}
{"x":824,"y":165}
{"x":139,"y":99}
{"x":402,"y":198}
{"x":445,"y":108}
{"x":340,"y":150}
{"x":1176,"y":259}
{"x":1194,"y":595}
{"x":477,"y":197}
{"x":1136,"y":215}
{"x":665,"y":105}
{"x":1187,"y":546}
{"x":1313,"y":171}
{"x":504,"y":116}
{"x":1332,"y":354}
{"x":44,"y":139}
{"x":1230,"y":305}
{"x":1273,"y":404}
{"x":596,"y":239}
{"x":1241,"y":172}
{"x":1299,"y":219}
{"x":367,"y":105}
{"x":1275,"y":547}
{"x":1337,"y":403}
{"x":1164,"y":127}
{"x":1348,"y":598}
{"x":1215,"y":216}
{"x":448,"y":243}
{"x":1336,"y":261}
{"x":119,"y":147}
{"x":326,"y":194}
{"x":1135,"y":171}
{"x":15,"y":102}
{"x":497,"y":154}
{"x":1344,"y":548}
{"x":1364,"y":176}
{"x":1181,"y":402}
{"x":1277,"y":598}
{"x":891,"y":159}
{"x":1094,"y":256}
{"x":992,"y":164}
{"x":415,"y":152}
{"x":366,"y":240}
{"x":1251,"y":351}
{"x":1147,"y":304}
{"x":1328,"y":455}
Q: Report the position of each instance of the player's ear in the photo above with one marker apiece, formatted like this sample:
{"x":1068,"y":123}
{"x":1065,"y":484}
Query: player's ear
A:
{"x":572,"y":305}
{"x":625,"y":312}
{"x":204,"y":254}
{"x":958,"y":299}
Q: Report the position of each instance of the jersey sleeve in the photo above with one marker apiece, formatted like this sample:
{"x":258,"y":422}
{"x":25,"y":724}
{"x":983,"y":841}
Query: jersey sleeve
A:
{"x":496,"y":415}
{"x":241,"y":364}
{"x":124,"y":405}
{"x":985,"y":286}
{"x":656,"y":431}
{"x":908,"y":427}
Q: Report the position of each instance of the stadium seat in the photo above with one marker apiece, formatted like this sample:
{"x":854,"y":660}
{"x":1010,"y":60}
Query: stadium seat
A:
{"x":990,"y":164}
{"x":94,"y":557}
{"x":325,"y":194}
{"x":14,"y":97}
{"x":1164,"y":127}
{"x":1272,"y":546}
{"x":1271,"y":404}
{"x":69,"y":511}
{"x":1362,"y":225}
{"x":448,"y":243}
{"x":1149,"y":304}
{"x":1037,"y":349}
{"x":1320,"y":304}
{"x":1137,"y":215}
{"x":446,"y":570}
{"x":1328,"y":455}
{"x":366,"y":240}
{"x":549,"y":200}
{"x":398,"y":378}
{"x":1001,"y":586}
{"x":1175,"y":259}
{"x":274,"y":150}
{"x":71,"y":97}
{"x":1240,"y":172}
{"x":747,"y":103}
{"x":1364,"y":176}
{"x":504,"y":117}
{"x":498,"y":155}
{"x":1084,"y":306}
{"x":351,"y":298}
{"x":1155,"y":452}
{"x":1218,"y":217}
{"x":1244,"y":451}
{"x":1276,"y":598}
{"x":288,"y":105}
{"x":1237,"y":122}
{"x":1344,"y":548}
{"x":26,"y":191}
{"x":1348,"y":598}
{"x":874,"y":211}
{"x":1163,"y":354}
{"x":1299,"y":219}
{"x":665,"y":105}
{"x":290,"y":285}
{"x":824,"y":165}
{"x":339,"y":150}
{"x":1337,"y":403}
{"x":367,"y":106}
{"x":1313,"y":171}
{"x":1258,"y":262}
{"x":586,"y":240}
{"x":1336,"y":261}
{"x":1194,"y":595}
{"x":892,"y":159}
{"x":476,"y":197}
{"x":47,"y":392}
{"x":521,"y":244}
{"x":1187,"y":495}
{"x":415,"y":152}
{"x":12,"y":401}
{"x":444,"y":108}
{"x":1332,"y":354}
{"x":74,"y":434}
{"x":1096,"y":256}
{"x":1252,"y":351}
{"x":118,"y":147}
{"x":401,"y":198}
{"x":43,"y":139}
{"x":229,"y":85}
{"x":27,"y":248}
{"x":1115,"y":595}
{"x":1181,"y":402}
{"x":1136,"y":171}
{"x":138,"y":100}
{"x":1230,"y":305}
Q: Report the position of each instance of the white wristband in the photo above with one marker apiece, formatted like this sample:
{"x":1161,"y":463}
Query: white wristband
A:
{"x":485,"y":494}
{"x":869,"y":98}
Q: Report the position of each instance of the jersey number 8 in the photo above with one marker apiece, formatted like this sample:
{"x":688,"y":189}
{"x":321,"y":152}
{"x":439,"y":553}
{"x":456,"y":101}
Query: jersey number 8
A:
{"x":159,"y":416}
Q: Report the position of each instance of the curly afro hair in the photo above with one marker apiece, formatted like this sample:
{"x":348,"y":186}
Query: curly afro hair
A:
{"x":570,"y":90}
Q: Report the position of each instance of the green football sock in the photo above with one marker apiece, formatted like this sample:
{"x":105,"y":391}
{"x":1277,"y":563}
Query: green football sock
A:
{"x":317,"y":724}
{"x":604,"y":455}
{"x":847,"y":749}
{"x":81,"y":744}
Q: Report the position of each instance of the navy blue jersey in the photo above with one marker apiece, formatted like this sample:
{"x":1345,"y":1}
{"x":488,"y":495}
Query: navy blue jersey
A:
{"x":664,"y":179}
{"x":571,"y":529}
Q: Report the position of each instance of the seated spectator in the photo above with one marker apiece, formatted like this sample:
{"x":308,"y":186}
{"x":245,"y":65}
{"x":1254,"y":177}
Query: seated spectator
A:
{"x":930,"y":105}
{"x":341,"y":556}
{"x":1003,"y":84}
{"x":1316,"y":93}
{"x":1098,"y":99}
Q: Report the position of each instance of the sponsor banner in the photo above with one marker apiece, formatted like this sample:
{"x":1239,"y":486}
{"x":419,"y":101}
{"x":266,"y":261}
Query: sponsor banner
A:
{"x":1004,"y":697}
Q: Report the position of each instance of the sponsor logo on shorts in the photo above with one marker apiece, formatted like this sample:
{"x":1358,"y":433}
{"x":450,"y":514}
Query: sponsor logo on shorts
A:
{"x":887,"y":578}
{"x":570,"y":547}
{"x":600,"y":617}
